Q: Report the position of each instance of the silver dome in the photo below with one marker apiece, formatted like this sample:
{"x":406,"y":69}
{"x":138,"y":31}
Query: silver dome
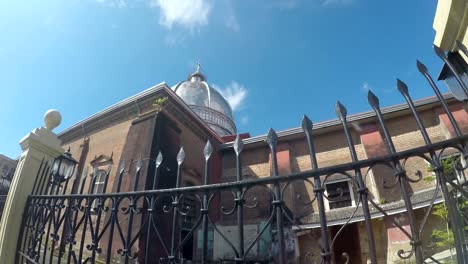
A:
{"x":207,"y":103}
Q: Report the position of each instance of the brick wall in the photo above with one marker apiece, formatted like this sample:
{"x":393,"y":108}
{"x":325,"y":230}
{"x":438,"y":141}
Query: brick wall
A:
{"x":109,"y":141}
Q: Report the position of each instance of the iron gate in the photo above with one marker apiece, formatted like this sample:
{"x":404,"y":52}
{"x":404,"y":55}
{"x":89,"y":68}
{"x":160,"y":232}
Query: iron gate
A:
{"x":100,"y":228}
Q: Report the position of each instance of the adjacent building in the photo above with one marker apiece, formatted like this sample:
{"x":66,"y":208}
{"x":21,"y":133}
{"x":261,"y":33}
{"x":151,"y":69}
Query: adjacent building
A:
{"x":7,"y":170}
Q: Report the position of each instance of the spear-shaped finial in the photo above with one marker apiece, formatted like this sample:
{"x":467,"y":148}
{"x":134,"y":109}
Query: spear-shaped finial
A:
{"x":439,"y":52}
{"x":272,"y":138}
{"x":340,"y":110}
{"x":238,"y":145}
{"x":421,"y":67}
{"x":208,"y":150}
{"x":139,"y":164}
{"x":159,"y":159}
{"x":372,"y":99}
{"x":402,"y":87}
{"x":181,"y":156}
{"x":122,"y":167}
{"x":306,"y":124}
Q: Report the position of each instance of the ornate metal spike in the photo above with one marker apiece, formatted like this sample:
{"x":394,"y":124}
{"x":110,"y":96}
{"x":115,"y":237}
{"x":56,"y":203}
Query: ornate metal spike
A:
{"x":272,"y":137}
{"x":462,"y":47}
{"x":421,"y":67}
{"x":159,"y":159}
{"x":208,"y":150}
{"x":181,"y":156}
{"x":238,"y":145}
{"x":306,"y":124}
{"x":122,"y":167}
{"x":439,"y":52}
{"x":139,"y":163}
{"x":402,"y":87}
{"x":340,"y":110}
{"x":373,"y":100}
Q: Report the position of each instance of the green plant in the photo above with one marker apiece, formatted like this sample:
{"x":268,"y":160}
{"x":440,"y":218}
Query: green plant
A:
{"x":448,"y":168}
{"x":160,"y":103}
{"x":443,"y":238}
{"x":382,"y":201}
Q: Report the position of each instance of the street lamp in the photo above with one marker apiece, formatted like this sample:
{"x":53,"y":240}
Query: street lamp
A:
{"x":454,"y":73}
{"x":63,"y":167}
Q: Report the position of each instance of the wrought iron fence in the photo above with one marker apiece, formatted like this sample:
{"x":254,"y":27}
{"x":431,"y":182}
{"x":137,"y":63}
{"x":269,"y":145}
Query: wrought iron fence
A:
{"x":151,"y":226}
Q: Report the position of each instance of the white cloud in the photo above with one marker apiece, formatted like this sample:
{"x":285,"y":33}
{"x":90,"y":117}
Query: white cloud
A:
{"x":365,"y":87}
{"x":114,"y":3}
{"x":235,"y":94}
{"x":173,"y":39}
{"x":244,"y":120}
{"x":232,"y":22}
{"x":191,"y":14}
{"x":228,"y":13}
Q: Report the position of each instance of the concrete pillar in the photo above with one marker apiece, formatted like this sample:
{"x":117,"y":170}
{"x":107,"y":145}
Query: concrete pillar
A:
{"x":41,"y":143}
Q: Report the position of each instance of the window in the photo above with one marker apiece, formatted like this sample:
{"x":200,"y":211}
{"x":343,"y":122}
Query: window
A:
{"x":210,"y":242}
{"x":339,"y":194}
{"x":99,"y":186}
{"x":189,"y":202}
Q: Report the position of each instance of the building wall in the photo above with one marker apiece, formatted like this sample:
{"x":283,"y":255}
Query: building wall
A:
{"x":7,"y":167}
{"x":381,"y":240}
{"x":108,"y":142}
{"x":332,"y":149}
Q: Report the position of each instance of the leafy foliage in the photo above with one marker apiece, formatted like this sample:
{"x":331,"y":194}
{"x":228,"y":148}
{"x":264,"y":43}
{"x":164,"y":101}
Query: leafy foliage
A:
{"x":448,"y":168}
{"x":160,"y":103}
{"x":443,"y":238}
{"x":441,"y":211}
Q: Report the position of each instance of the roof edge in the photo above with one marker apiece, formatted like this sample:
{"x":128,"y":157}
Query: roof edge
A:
{"x":115,"y":107}
{"x":350,"y":118}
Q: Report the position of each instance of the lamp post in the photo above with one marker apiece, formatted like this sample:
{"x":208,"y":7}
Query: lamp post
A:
{"x":63,"y":167}
{"x":62,"y":170}
{"x":454,"y":73}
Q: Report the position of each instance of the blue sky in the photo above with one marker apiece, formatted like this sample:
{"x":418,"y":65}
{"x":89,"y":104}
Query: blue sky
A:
{"x":275,"y":59}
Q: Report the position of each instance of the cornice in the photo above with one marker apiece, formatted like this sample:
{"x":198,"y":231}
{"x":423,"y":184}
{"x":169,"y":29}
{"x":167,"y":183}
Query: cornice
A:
{"x":133,"y":107}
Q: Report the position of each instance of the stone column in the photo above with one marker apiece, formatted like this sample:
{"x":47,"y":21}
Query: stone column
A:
{"x":39,"y":144}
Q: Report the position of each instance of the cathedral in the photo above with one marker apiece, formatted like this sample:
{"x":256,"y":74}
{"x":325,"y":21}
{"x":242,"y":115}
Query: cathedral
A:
{"x":162,"y":119}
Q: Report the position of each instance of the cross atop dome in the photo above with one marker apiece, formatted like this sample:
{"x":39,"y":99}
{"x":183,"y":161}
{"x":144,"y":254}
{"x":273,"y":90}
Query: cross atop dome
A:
{"x":197,"y":75}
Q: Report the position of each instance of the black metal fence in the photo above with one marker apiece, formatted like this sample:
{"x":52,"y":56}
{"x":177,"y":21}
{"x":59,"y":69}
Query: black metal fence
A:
{"x":151,"y":226}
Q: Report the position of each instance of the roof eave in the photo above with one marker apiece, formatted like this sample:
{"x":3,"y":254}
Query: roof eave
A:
{"x":336,"y":123}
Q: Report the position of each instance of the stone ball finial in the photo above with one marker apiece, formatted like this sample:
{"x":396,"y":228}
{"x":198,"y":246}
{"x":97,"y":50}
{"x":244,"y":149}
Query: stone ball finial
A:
{"x":52,"y":119}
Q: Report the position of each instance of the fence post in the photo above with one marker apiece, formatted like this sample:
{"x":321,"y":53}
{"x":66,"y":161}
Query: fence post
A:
{"x":41,"y":143}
